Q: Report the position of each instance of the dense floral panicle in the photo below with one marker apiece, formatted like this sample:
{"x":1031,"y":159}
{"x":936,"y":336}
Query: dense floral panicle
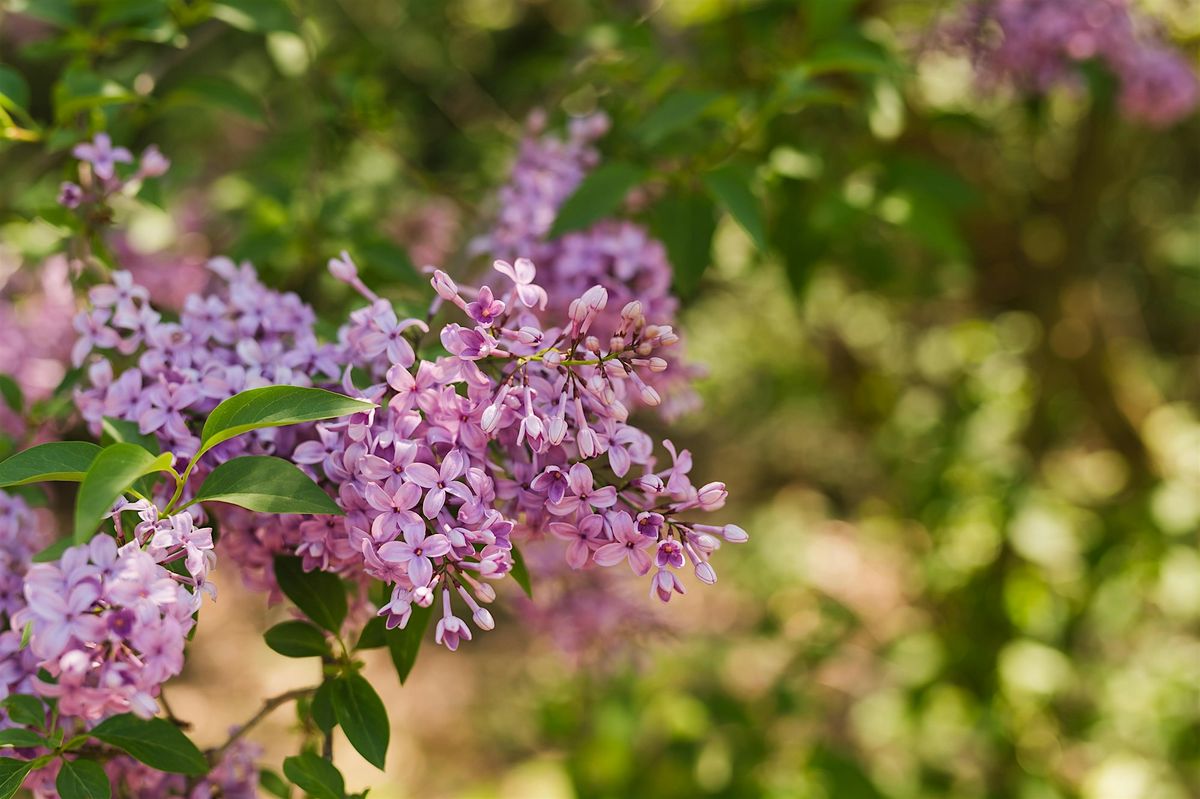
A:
{"x":23,"y":532}
{"x":547,"y":170}
{"x":243,"y":335}
{"x":620,"y":256}
{"x":522,"y":429}
{"x":1039,"y":44}
{"x":108,"y":621}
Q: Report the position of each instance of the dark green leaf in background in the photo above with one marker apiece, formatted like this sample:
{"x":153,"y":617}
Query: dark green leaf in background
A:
{"x":320,"y":595}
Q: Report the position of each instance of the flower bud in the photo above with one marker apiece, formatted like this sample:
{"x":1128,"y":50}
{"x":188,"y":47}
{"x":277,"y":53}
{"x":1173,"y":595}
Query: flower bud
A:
{"x":444,"y":286}
{"x":553,"y":358}
{"x":705,"y":573}
{"x":483,"y":619}
{"x":588,"y":442}
{"x":343,"y":268}
{"x":734,"y":534}
{"x":556,"y":430}
{"x":658,"y":364}
{"x":712,"y":496}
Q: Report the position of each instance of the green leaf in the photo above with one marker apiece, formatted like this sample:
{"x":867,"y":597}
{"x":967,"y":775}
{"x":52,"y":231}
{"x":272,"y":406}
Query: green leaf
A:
{"x":273,"y":784}
{"x":372,"y":635}
{"x":730,"y":187}
{"x":212,"y":91}
{"x":598,"y":196}
{"x":678,"y":110}
{"x":118,"y":431}
{"x":322,"y":707}
{"x":54,"y":551}
{"x":26,"y":710}
{"x":156,"y":742}
{"x":257,"y":16}
{"x":319,"y":594}
{"x":14,"y":91}
{"x":274,"y":406}
{"x":82,"y":779}
{"x":12,"y":774}
{"x":59,"y":460}
{"x":111,"y":474}
{"x":266,"y":484}
{"x":685,"y":224}
{"x":20,"y":737}
{"x":10,"y":389}
{"x":362,"y":716}
{"x":404,"y":644}
{"x":296,"y":639}
{"x":520,"y":573}
{"x":315,"y":775}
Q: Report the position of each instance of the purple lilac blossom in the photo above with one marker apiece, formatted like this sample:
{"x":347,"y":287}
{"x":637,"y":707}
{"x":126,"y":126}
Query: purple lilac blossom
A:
{"x":108,"y":621}
{"x":1039,"y":44}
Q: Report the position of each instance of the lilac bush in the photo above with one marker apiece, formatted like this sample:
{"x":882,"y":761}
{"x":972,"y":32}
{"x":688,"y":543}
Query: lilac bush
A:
{"x":383,"y":481}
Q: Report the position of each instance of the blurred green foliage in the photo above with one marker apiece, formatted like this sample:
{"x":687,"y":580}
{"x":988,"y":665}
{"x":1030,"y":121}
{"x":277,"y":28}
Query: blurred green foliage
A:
{"x":951,"y":341}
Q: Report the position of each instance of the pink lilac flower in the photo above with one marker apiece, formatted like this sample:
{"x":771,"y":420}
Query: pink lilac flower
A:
{"x":108,"y":621}
{"x":1039,"y":44}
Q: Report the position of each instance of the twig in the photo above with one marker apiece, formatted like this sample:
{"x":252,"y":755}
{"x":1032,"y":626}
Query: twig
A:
{"x":268,"y":706}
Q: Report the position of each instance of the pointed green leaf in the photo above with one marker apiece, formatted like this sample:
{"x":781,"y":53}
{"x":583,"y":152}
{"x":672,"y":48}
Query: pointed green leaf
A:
{"x":322,"y":707}
{"x":21,"y":738}
{"x":598,"y":196}
{"x":54,"y":551}
{"x":685,"y":222}
{"x":10,"y":390}
{"x":156,"y":742}
{"x":296,"y":639}
{"x":12,"y":774}
{"x":273,"y":784}
{"x":319,"y":594}
{"x":520,"y":573}
{"x":59,"y":460}
{"x":14,"y":91}
{"x":362,"y":716}
{"x":372,"y":635}
{"x":405,"y":644}
{"x":26,"y":710}
{"x":730,"y":187}
{"x":116,"y":431}
{"x":82,"y":779}
{"x":274,"y":406}
{"x":111,"y":474}
{"x":678,"y":110}
{"x":266,"y":484}
{"x":315,"y":775}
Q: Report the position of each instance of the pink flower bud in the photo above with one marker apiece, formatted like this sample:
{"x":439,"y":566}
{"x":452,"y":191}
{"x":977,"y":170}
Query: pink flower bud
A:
{"x":343,"y":268}
{"x":735,"y":535}
{"x":444,"y":286}
{"x":712,"y":496}
{"x":589,"y":443}
{"x":556,"y":430}
{"x":483,"y":619}
{"x":705,"y":573}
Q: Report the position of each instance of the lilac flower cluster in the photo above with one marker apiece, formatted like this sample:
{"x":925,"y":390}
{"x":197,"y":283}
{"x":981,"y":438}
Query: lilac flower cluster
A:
{"x":21,"y":535}
{"x":618,"y":255}
{"x":521,"y":430}
{"x":108,"y":621}
{"x":241,"y":336}
{"x":99,"y":178}
{"x":1039,"y":44}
